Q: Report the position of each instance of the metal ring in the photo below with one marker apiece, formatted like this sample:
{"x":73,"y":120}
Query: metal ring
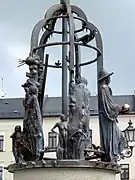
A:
{"x":75,"y":43}
{"x":80,"y":65}
{"x":64,"y":16}
{"x":50,"y":44}
{"x":65,"y":43}
{"x":88,"y":45}
{"x":59,"y":32}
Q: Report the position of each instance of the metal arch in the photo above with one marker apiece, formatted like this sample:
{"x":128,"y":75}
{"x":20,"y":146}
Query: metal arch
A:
{"x":37,"y":28}
{"x":98,"y":44}
{"x":79,"y":12}
{"x":59,"y":7}
{"x":55,"y":10}
{"x":43,"y":40}
{"x":99,"y":63}
{"x":35,"y":34}
{"x":50,"y":13}
{"x":52,"y":10}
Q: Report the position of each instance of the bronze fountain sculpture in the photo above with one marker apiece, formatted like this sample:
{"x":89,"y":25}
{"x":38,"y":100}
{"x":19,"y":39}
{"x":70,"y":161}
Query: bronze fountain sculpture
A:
{"x":74,"y":139}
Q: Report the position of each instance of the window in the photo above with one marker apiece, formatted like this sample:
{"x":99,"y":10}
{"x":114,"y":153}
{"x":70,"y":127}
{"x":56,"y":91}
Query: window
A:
{"x":1,"y":173}
{"x":124,"y":171}
{"x":52,"y":140}
{"x":90,"y":131}
{"x":1,"y":143}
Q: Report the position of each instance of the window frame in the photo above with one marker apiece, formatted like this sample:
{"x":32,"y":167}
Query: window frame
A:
{"x":3,"y":134}
{"x":2,"y":167}
{"x":56,"y":139}
{"x":125,"y":168}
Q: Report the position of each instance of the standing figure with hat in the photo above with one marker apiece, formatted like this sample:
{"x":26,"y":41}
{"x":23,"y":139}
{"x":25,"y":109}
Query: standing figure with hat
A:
{"x":111,"y":137}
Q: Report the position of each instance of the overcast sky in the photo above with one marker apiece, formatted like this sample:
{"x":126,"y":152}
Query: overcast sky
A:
{"x":115,"y":20}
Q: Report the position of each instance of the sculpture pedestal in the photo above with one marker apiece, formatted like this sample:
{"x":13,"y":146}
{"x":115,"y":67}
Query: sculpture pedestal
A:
{"x":64,"y":169}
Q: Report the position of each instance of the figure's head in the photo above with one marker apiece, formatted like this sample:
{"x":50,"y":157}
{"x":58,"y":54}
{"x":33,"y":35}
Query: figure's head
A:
{"x":17,"y":128}
{"x":104,"y":77}
{"x":33,"y":90}
{"x":25,"y":86}
{"x":81,"y":80}
{"x":63,"y":118}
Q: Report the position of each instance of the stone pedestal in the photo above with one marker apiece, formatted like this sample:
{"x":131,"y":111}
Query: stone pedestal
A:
{"x":64,"y":170}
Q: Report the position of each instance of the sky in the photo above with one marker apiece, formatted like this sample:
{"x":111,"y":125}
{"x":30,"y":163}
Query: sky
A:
{"x":115,"y":20}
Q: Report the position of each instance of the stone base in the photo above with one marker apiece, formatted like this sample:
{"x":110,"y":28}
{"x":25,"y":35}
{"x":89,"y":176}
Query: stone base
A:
{"x":65,"y":169}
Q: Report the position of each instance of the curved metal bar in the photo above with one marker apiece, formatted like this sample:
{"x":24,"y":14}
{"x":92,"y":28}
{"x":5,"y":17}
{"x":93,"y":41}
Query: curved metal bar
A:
{"x":56,"y":9}
{"x":99,"y":45}
{"x":50,"y":44}
{"x":99,"y":62}
{"x":36,"y":30}
{"x":81,"y":64}
{"x":79,"y":12}
{"x":59,"y":32}
{"x":64,"y":16}
{"x":59,"y":7}
{"x":35,"y":34}
{"x":92,"y":47}
{"x":65,"y":43}
{"x":89,"y":62}
{"x":43,"y":40}
{"x":52,"y":10}
{"x":85,"y":63}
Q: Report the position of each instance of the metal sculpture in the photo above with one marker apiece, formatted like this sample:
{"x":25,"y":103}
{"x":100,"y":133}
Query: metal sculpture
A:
{"x":78,"y":132}
{"x":75,"y":136}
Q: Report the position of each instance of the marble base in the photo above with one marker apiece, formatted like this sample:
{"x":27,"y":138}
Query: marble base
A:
{"x":65,"y":169}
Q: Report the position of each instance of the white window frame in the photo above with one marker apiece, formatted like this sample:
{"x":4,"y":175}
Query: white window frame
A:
{"x":2,"y":165}
{"x":127,"y":164}
{"x":3,"y":134}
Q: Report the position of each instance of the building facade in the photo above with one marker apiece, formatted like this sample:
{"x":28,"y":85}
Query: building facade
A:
{"x":12,"y":112}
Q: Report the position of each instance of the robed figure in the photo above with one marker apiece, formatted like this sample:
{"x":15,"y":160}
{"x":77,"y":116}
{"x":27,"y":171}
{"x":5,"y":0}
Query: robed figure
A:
{"x":32,"y":125}
{"x":111,"y":137}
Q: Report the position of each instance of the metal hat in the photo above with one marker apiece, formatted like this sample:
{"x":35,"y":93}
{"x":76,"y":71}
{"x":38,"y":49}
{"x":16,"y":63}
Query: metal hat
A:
{"x":104,"y":74}
{"x":25,"y":85}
